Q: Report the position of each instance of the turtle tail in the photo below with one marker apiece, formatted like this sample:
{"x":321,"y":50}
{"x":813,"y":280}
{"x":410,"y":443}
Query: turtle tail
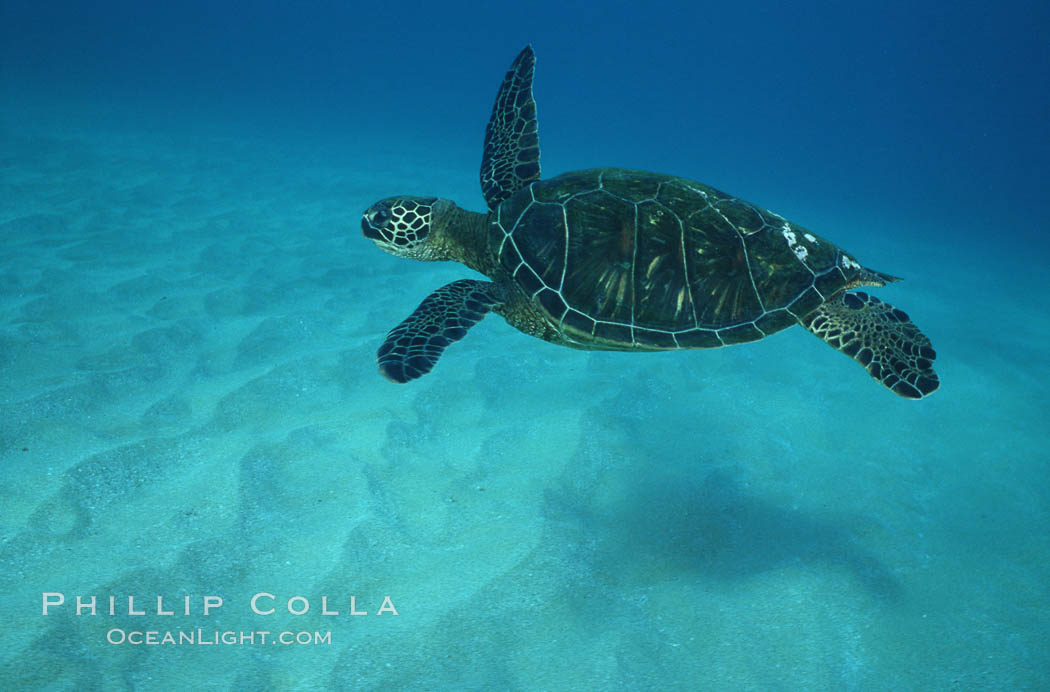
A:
{"x":870,"y":277}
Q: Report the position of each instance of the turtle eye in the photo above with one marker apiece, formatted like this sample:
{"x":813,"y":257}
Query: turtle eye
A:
{"x":373,"y":223}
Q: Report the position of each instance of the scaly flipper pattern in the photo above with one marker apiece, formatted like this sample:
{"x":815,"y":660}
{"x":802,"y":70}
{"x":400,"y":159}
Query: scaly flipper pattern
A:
{"x":413,"y":347}
{"x":881,"y":338}
{"x":512,"y":147}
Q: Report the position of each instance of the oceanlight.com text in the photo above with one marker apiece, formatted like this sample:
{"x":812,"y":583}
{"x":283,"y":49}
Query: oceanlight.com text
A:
{"x":201,"y":637}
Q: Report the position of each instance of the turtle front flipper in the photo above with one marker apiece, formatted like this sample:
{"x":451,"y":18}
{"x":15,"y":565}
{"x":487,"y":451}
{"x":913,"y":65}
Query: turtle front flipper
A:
{"x":881,"y":338}
{"x":413,"y":347}
{"x":512,"y":145}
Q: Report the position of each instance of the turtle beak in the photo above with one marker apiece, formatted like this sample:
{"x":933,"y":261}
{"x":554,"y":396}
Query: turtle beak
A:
{"x":370,"y":232}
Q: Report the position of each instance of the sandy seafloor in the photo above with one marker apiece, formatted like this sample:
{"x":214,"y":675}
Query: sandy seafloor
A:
{"x":189,"y":405}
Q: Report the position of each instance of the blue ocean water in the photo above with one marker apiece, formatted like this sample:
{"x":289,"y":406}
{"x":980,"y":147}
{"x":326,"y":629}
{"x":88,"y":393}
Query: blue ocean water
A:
{"x":190,"y":410}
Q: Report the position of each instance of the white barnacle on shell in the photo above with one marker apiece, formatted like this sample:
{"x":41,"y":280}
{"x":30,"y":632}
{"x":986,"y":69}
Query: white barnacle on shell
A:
{"x":850,"y":263}
{"x":811,"y":238}
{"x":800,"y":250}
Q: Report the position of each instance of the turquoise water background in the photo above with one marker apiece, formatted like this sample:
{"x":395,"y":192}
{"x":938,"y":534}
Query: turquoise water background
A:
{"x":189,"y":404}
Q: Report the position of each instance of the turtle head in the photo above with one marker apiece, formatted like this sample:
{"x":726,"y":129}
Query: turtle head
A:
{"x":405,"y":226}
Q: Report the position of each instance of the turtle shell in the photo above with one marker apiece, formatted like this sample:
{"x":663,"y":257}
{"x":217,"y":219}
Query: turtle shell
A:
{"x":626,"y":259}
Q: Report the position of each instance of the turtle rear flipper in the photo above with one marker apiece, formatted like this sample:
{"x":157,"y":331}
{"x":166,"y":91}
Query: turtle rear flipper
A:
{"x":511,"y":159}
{"x":413,"y":347}
{"x":881,"y":338}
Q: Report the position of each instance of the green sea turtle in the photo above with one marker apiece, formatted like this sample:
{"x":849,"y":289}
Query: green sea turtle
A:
{"x":622,"y":260}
